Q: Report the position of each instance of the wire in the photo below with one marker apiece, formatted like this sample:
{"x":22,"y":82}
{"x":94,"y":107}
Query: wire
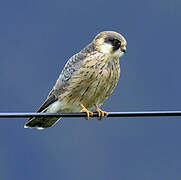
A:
{"x":111,"y":114}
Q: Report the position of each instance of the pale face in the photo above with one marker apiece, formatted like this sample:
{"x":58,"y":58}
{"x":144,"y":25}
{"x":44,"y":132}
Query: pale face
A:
{"x":111,"y":49}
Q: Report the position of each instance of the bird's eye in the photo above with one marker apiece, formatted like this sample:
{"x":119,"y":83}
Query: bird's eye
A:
{"x":116,"y":44}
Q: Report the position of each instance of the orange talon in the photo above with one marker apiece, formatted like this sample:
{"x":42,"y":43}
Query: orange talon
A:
{"x":89,"y":113}
{"x":100,"y":112}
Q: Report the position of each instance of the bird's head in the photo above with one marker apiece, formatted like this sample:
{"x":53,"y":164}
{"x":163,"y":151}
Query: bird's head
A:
{"x":110,"y":43}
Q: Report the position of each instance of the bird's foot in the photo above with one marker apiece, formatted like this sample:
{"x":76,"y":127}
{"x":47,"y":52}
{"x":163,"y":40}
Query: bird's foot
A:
{"x":89,"y":113}
{"x":100,"y":112}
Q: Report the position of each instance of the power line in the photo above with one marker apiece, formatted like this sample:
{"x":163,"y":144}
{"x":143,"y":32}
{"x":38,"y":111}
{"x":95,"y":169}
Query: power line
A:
{"x":111,"y":114}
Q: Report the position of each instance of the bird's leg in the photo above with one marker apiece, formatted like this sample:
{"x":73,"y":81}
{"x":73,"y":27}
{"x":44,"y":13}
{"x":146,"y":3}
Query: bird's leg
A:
{"x":89,"y":113}
{"x":100,"y":112}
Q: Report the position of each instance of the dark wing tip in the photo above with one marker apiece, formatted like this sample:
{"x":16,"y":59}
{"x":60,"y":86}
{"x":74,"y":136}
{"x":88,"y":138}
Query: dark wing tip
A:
{"x":51,"y":99}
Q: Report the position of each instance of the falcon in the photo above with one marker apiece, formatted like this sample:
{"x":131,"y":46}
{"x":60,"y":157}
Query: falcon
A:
{"x":87,"y":80}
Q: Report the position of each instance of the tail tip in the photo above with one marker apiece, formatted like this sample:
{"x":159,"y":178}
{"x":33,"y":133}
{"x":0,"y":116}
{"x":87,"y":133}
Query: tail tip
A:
{"x":38,"y":128}
{"x":26,"y":127}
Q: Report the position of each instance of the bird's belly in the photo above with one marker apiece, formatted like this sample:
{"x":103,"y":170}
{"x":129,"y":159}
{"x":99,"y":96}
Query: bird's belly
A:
{"x":92,"y":87}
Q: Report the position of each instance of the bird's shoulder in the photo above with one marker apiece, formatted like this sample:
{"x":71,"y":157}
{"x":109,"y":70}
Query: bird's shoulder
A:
{"x":74,"y":63}
{"x":77,"y":61}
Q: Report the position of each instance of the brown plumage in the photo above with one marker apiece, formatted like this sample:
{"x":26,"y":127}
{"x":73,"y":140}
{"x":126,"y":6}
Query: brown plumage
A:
{"x":87,"y":79}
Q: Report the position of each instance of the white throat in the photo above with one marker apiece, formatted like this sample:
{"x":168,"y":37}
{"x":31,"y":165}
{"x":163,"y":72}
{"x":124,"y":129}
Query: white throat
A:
{"x":118,"y":53}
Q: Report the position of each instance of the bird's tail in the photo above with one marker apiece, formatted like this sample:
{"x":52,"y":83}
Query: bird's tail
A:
{"x":41,"y":122}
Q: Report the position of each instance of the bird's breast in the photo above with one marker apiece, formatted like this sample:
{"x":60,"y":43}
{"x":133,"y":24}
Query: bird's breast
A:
{"x":93,"y":82}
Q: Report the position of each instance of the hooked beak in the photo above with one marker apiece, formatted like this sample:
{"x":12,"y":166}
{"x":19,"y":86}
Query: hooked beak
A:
{"x":123,"y":49}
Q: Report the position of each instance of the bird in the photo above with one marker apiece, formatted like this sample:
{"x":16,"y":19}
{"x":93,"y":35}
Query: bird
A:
{"x":86,"y":81}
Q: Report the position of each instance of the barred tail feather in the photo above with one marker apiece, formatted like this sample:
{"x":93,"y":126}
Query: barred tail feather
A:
{"x":41,"y":122}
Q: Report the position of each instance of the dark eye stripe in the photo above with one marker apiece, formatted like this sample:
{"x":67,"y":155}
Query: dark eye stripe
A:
{"x":115,"y":43}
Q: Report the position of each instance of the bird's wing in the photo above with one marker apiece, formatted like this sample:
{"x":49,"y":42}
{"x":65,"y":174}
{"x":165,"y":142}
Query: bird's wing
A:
{"x":51,"y":99}
{"x":73,"y":64}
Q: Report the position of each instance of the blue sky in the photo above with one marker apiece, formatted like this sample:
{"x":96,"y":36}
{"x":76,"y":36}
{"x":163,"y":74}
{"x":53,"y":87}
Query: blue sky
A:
{"x":36,"y":40}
